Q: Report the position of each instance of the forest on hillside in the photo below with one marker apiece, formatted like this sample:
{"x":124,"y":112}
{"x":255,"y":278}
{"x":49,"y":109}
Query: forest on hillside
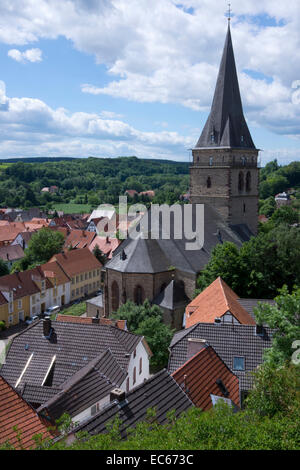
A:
{"x":93,"y":181}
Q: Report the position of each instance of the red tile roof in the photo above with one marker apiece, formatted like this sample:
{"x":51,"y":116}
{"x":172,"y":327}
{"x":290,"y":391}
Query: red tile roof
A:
{"x":121,"y":324}
{"x":23,"y":283}
{"x":77,"y":261}
{"x":53,"y":271}
{"x":106,"y":244}
{"x":79,"y":239}
{"x":214,"y":302}
{"x":198,"y":378}
{"x":10,"y":231}
{"x":11,"y":252}
{"x":16,"y":412}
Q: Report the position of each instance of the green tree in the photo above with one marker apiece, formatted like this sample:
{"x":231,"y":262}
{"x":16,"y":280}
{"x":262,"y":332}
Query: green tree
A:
{"x":43,"y":245}
{"x":146,"y":320}
{"x":3,"y":268}
{"x":99,"y":255}
{"x":276,"y":390}
{"x":284,"y":318}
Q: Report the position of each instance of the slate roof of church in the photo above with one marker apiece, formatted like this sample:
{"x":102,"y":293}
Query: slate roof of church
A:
{"x":139,"y":255}
{"x":226,"y":121}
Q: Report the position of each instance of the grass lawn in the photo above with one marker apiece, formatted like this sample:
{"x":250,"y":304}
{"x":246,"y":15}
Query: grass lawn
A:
{"x":76,"y":309}
{"x":73,"y":208}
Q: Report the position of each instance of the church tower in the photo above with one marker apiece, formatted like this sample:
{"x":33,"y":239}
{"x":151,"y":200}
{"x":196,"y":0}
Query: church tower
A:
{"x":224,"y":172}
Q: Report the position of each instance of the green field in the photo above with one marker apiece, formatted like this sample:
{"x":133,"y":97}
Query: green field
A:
{"x":73,"y":208}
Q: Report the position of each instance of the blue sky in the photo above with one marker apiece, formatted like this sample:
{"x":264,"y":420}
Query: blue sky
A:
{"x":136,"y":77}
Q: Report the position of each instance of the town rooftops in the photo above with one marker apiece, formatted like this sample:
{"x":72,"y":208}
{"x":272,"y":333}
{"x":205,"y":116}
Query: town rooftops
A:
{"x":241,"y":347}
{"x":67,"y":348}
{"x":11,"y":253}
{"x":53,"y":271}
{"x":214,"y":302}
{"x":79,"y":239}
{"x":205,"y":374}
{"x":15,"y":412}
{"x":23,"y":283}
{"x":77,"y":261}
{"x":87,"y":386}
{"x":90,"y":320}
{"x":160,"y":392}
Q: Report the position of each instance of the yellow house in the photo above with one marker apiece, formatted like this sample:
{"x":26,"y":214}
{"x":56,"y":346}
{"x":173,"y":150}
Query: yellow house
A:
{"x":84,"y":270}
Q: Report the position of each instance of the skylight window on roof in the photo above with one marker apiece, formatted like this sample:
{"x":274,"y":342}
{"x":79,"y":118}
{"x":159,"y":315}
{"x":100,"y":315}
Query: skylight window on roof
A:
{"x":238,"y":363}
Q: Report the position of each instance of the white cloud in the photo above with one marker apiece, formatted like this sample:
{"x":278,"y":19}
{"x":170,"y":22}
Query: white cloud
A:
{"x":159,"y":51}
{"x":30,"y":55}
{"x":31,"y":126}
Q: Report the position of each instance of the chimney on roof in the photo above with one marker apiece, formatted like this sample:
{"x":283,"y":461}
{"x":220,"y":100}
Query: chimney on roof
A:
{"x":117,"y":394}
{"x":195,"y":345}
{"x":96,"y":320}
{"x":218,"y":321}
{"x":46,"y":327}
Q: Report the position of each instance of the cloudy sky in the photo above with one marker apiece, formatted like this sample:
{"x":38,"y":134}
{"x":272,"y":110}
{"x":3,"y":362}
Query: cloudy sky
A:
{"x":136,"y":77}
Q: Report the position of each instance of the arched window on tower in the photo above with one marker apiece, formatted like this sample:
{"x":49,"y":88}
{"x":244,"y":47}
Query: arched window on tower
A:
{"x":115,"y":296}
{"x":138,"y":295}
{"x":241,"y":181}
{"x":208,"y":182}
{"x":248,"y":181}
{"x":211,"y":161}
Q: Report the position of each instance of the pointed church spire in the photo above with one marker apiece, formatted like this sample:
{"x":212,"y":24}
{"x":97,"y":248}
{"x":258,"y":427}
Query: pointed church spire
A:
{"x":226,"y":125}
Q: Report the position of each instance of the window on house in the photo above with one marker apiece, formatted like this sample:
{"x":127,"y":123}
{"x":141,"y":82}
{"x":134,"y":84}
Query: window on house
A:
{"x":141,"y":365}
{"x":85,"y":276}
{"x":134,"y":375}
{"x":238,"y":363}
{"x":81,"y":277}
{"x":212,"y":137}
{"x":208,"y":182}
{"x":73,"y":293}
{"x":19,"y":304}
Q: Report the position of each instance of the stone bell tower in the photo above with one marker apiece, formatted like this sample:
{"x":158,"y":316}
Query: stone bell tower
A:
{"x":224,"y":172}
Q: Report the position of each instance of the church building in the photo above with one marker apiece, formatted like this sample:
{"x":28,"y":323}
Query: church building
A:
{"x":224,"y":176}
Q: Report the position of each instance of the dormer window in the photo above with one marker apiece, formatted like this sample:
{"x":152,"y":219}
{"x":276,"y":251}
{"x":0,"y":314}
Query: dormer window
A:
{"x":211,"y":160}
{"x":242,"y":139}
{"x":212,"y":138}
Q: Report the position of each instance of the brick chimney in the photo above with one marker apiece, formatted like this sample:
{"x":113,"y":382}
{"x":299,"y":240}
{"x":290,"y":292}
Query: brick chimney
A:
{"x":46,"y":327}
{"x":117,"y":394}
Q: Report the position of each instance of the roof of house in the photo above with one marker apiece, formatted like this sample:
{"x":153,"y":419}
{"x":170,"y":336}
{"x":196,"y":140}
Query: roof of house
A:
{"x":26,"y":236}
{"x":70,"y":347}
{"x":226,"y":121}
{"x":90,"y":320}
{"x":199,"y":377}
{"x":172,"y":297}
{"x":53,"y":271}
{"x":89,"y":385}
{"x":16,"y":412}
{"x":228,"y":341}
{"x":9,"y":232}
{"x":11,"y":252}
{"x":106,"y":244}
{"x":214,"y":302}
{"x":145,"y":254}
{"x":160,"y":392}
{"x":251,"y":304}
{"x":77,"y":261}
{"x":23,"y":283}
{"x":79,"y":239}
{"x":108,"y":212}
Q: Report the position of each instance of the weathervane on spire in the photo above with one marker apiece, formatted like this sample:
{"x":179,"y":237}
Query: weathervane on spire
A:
{"x":229,"y":12}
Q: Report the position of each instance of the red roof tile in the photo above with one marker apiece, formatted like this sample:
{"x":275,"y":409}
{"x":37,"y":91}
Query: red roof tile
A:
{"x":77,"y":261}
{"x":198,"y":378}
{"x":79,"y":239}
{"x":121,"y":324}
{"x":16,"y":412}
{"x":214,"y":302}
{"x":106,"y":244}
